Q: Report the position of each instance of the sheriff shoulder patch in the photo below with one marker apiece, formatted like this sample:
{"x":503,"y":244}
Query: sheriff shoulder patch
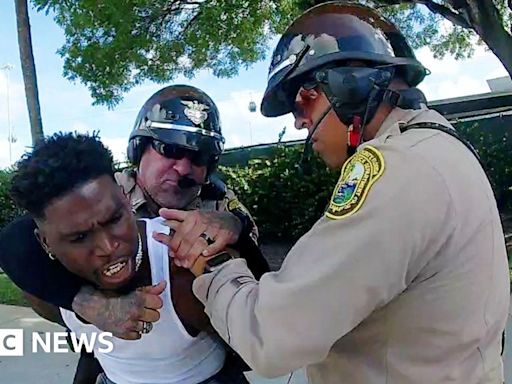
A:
{"x":235,"y":204}
{"x":357,"y":177}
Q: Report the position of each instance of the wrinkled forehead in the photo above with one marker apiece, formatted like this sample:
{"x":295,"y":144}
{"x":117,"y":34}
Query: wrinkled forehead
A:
{"x":84,"y":205}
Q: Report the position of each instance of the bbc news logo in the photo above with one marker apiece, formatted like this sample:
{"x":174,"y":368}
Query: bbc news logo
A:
{"x":11,"y":342}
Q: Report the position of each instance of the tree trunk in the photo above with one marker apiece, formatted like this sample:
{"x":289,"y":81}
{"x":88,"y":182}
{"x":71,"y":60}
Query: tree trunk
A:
{"x":487,"y":24}
{"x":29,"y":70}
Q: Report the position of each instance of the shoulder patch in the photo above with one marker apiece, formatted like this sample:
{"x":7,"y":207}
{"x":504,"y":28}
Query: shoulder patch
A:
{"x":233,"y":204}
{"x":357,"y":177}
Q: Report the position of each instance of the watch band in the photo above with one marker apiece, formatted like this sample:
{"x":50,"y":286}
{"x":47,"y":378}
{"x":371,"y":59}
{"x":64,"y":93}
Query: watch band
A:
{"x":210,"y":264}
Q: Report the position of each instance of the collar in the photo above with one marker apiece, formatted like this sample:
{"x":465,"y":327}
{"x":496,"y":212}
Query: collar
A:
{"x":397,"y":117}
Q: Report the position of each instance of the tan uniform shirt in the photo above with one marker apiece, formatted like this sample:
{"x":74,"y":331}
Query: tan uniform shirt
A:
{"x":412,"y":287}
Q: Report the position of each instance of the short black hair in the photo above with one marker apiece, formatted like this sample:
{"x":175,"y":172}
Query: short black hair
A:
{"x":57,"y":165}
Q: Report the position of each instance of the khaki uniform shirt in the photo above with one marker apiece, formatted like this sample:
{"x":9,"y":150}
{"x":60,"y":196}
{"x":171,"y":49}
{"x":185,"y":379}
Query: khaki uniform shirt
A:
{"x":411,"y":286}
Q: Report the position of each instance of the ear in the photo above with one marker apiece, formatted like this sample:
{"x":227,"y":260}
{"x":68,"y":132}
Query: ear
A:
{"x":42,"y":239}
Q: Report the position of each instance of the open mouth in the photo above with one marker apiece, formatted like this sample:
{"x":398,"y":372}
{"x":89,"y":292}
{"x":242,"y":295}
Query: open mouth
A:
{"x":118,"y":271}
{"x":114,"y":269}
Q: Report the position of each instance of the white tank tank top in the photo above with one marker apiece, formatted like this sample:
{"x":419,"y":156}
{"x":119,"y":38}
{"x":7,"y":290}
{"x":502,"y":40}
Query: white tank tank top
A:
{"x":168,"y":354}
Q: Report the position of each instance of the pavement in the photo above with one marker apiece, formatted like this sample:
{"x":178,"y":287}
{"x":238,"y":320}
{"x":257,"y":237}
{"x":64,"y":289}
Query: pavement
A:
{"x":53,"y":368}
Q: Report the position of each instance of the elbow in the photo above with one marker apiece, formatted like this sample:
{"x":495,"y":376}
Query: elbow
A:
{"x":270,"y":367}
{"x":271,"y":360}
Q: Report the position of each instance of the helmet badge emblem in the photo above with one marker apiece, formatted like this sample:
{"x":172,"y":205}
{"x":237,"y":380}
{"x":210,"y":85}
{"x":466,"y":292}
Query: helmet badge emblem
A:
{"x":196,"y":112}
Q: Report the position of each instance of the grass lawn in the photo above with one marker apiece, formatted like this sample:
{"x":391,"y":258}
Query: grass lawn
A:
{"x":9,"y":293}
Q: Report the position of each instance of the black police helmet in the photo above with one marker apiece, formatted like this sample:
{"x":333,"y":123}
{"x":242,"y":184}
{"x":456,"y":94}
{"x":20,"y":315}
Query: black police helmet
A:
{"x":180,"y":115}
{"x":326,"y":36}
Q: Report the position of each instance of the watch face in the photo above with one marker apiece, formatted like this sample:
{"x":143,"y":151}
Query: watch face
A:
{"x":219,"y":259}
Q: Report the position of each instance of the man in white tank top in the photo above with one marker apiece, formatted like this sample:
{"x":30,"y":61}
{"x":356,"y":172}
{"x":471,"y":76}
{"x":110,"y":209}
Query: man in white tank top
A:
{"x":85,"y":222}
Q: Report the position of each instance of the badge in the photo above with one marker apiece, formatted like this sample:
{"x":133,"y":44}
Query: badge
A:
{"x":196,"y":112}
{"x":357,"y":177}
{"x":235,"y":205}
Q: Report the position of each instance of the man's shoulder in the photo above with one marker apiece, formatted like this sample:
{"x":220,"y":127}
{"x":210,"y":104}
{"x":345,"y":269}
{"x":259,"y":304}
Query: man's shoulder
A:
{"x":230,"y":194}
{"x":424,"y":133}
{"x":423,"y":151}
{"x":126,"y":179}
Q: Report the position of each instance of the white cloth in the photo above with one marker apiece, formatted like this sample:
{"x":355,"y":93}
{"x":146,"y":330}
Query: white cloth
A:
{"x":168,"y":354}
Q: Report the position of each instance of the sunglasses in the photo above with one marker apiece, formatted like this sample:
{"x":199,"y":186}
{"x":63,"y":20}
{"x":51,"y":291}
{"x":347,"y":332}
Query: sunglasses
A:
{"x":300,"y":109}
{"x":175,"y":152}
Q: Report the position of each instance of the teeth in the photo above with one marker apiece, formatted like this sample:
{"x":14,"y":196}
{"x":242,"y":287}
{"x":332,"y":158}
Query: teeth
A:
{"x":113,"y":269}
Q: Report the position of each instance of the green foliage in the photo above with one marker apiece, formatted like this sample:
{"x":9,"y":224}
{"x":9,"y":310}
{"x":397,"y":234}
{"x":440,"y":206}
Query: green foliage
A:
{"x":284,"y":204}
{"x":425,"y":29}
{"x":10,"y":294}
{"x":111,"y":46}
{"x":8,"y":210}
{"x":493,"y":142}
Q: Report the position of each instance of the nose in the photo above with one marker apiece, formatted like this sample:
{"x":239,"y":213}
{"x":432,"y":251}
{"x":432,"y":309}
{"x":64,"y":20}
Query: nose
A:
{"x":302,"y":119}
{"x":183,"y":166}
{"x":302,"y":122}
{"x":106,"y":244}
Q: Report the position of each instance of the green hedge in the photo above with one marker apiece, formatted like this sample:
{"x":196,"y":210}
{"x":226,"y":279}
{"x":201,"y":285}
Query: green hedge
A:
{"x":284,"y":203}
{"x":492,"y":139}
{"x":8,"y":210}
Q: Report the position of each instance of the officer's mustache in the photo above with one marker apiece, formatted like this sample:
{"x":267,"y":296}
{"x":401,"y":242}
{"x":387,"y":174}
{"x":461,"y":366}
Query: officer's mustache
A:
{"x":187,"y":182}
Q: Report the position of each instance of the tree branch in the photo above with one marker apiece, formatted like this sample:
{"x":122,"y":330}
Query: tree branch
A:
{"x":192,"y":20}
{"x":486,"y":23}
{"x":456,"y":18}
{"x":447,"y":13}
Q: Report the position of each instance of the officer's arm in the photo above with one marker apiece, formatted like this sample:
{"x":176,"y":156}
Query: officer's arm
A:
{"x":334,"y":277}
{"x":30,"y":268}
{"x":251,"y":252}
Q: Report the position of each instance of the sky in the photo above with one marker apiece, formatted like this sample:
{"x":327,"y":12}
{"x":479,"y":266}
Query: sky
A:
{"x":67,"y":106}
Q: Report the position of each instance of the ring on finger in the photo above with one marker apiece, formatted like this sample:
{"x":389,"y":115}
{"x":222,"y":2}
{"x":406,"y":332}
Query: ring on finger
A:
{"x":207,"y":237}
{"x":146,"y":327}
